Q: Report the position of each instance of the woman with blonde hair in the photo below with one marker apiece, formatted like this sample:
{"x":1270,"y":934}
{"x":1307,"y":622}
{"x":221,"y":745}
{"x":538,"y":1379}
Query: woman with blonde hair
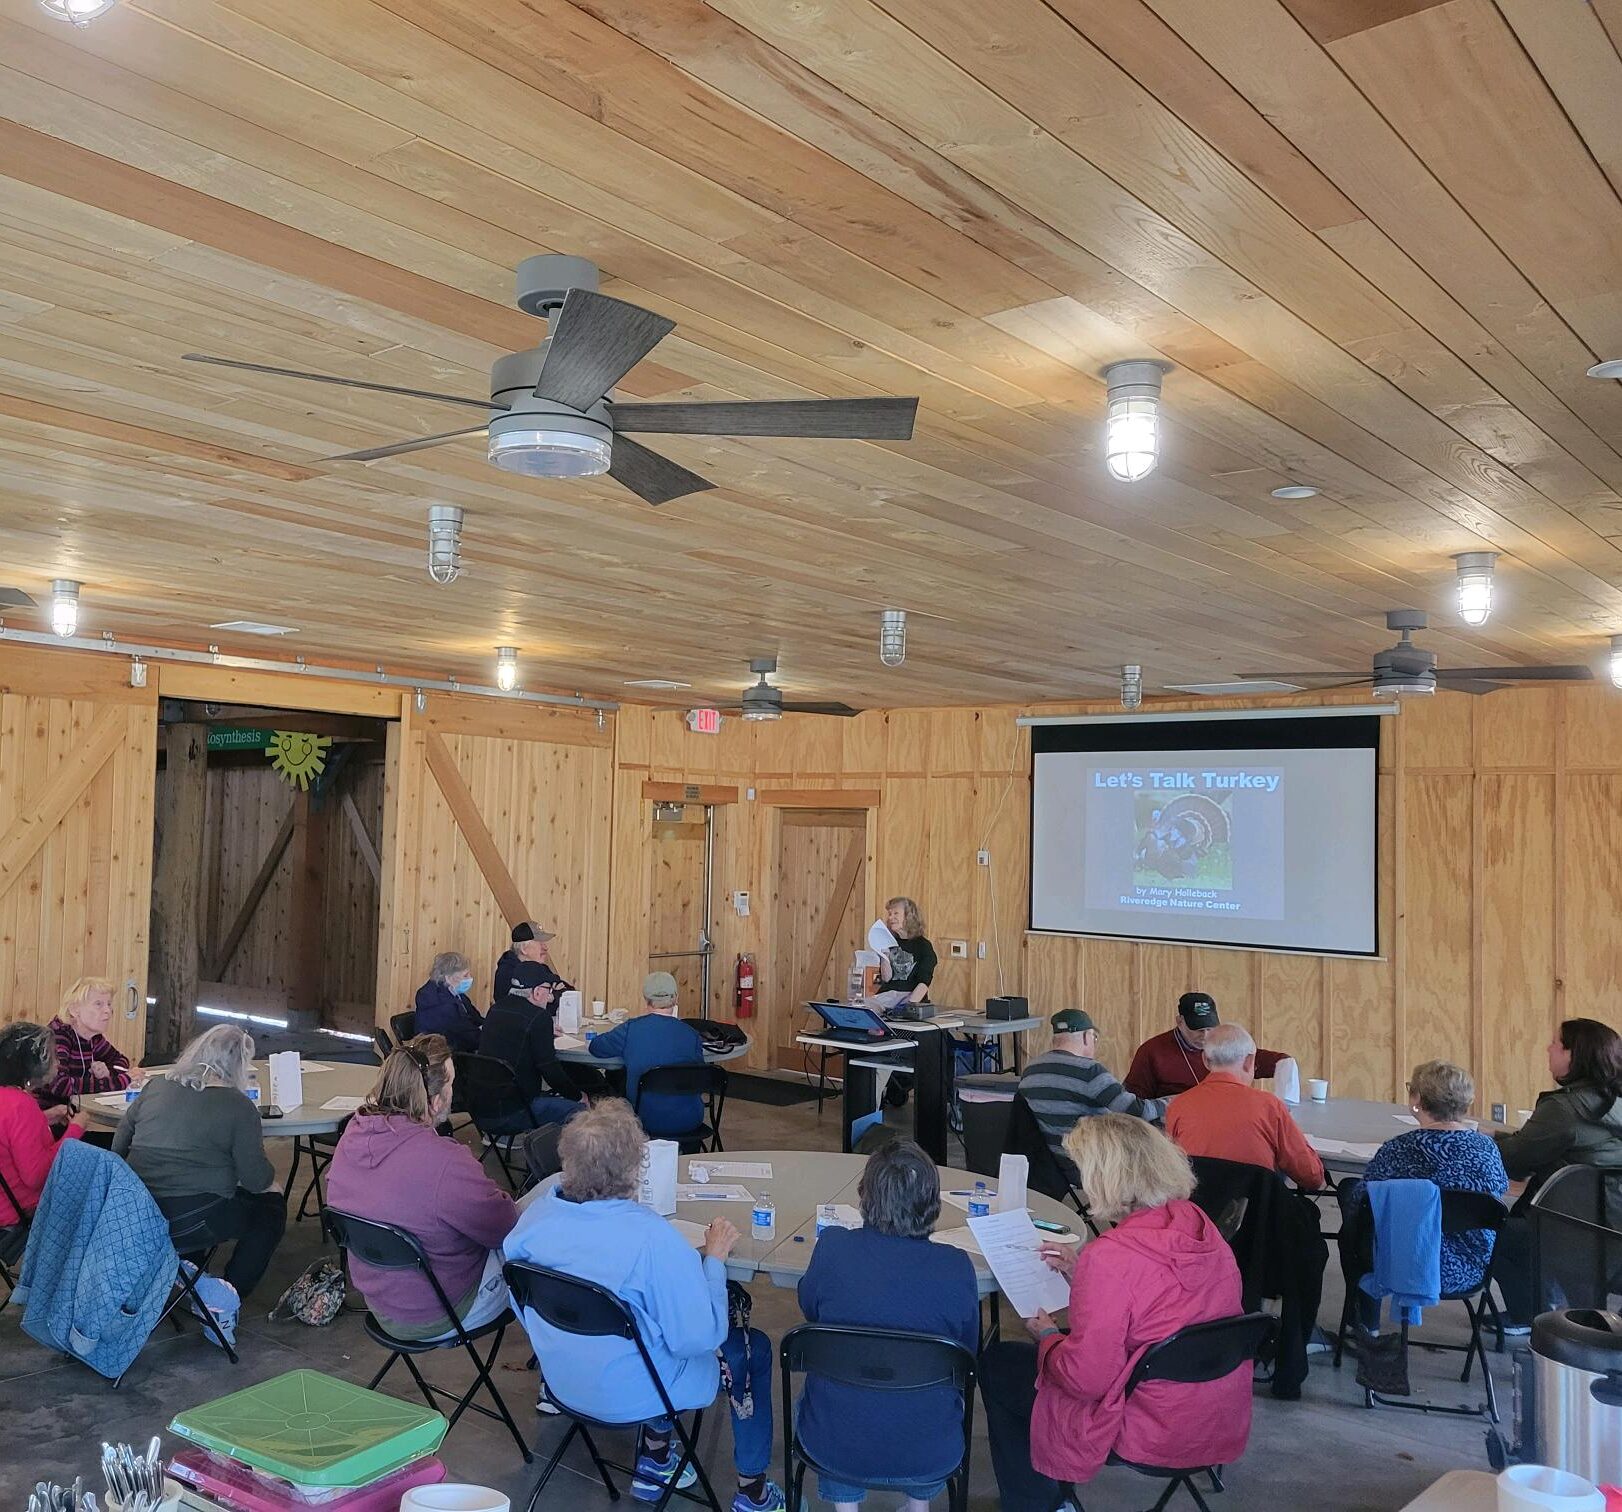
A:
{"x":194,"y":1137}
{"x":86,"y":1060}
{"x":1056,"y":1410}
{"x":392,"y":1167}
{"x":910,"y":965}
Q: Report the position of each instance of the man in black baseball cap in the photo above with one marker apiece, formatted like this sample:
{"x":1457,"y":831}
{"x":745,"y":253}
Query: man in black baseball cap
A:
{"x":1173,"y":1062}
{"x":519,"y":1028}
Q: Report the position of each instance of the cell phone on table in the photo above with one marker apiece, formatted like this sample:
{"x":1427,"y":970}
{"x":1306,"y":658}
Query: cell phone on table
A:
{"x":1047,"y":1227}
{"x":271,"y":1112}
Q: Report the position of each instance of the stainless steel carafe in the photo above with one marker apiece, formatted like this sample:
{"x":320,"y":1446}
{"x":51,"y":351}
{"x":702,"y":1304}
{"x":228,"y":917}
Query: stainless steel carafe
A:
{"x":1575,"y":1417}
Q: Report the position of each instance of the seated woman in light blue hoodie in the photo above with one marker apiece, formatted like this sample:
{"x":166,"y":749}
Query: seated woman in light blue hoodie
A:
{"x":591,"y":1226}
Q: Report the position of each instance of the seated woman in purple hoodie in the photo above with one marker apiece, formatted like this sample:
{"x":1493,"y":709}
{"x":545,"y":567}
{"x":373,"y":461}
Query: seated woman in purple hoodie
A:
{"x":391,"y":1167}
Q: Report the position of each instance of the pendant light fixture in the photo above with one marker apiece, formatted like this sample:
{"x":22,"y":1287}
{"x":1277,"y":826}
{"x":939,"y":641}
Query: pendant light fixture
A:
{"x":65,"y":607}
{"x":444,"y":543}
{"x":1475,"y":575}
{"x":506,"y":668}
{"x":1132,"y":425}
{"x":893,"y":637}
{"x":1616,"y":660}
{"x":78,"y":12}
{"x":1131,"y":686}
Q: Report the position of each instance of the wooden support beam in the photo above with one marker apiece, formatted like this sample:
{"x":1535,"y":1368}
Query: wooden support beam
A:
{"x":214,"y":967}
{"x":38,"y":814}
{"x":474,"y":830}
{"x":838,"y":901}
{"x":819,"y":798}
{"x":363,"y":841}
{"x":307,"y":945}
{"x":688,"y":792}
{"x":181,"y":798}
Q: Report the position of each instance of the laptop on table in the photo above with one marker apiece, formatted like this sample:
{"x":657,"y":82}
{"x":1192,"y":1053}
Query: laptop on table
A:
{"x":854,"y":1026}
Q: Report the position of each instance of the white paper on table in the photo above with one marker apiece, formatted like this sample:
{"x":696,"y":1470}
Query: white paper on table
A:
{"x":739,"y":1170}
{"x":657,"y":1189}
{"x":1339,"y":1147}
{"x":693,"y":1233}
{"x":569,"y":1011}
{"x":111,"y":1099}
{"x":341,"y":1104}
{"x":1013,"y":1250}
{"x":946,"y":1023}
{"x":960,"y":1200}
{"x":1407,"y":1118}
{"x":286,"y":1080}
{"x":307,"y":1067}
{"x":844,"y":1216}
{"x":695,"y":1191}
{"x":879,"y":937}
{"x":1013,"y":1175}
{"x":958,"y":1238}
{"x":1287,"y":1080}
{"x":568,"y":1042}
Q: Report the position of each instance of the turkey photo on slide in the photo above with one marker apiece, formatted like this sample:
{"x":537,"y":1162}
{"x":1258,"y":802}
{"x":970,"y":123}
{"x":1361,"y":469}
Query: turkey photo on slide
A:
{"x":1183,"y":840}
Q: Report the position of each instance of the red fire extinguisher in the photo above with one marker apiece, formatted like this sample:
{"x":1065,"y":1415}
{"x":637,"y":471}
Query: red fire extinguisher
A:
{"x":743,"y":996}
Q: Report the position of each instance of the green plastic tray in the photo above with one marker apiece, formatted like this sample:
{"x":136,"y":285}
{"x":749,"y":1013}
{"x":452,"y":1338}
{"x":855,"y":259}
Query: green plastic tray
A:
{"x":314,"y":1429}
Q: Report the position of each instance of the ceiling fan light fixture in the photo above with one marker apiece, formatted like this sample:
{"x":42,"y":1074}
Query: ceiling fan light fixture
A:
{"x":506,"y":668}
{"x":545,"y":453}
{"x":1475,"y":575}
{"x":1296,"y":491}
{"x":77,"y":12}
{"x":1132,"y":422}
{"x":893,"y":637}
{"x":444,"y":543}
{"x":65,"y":607}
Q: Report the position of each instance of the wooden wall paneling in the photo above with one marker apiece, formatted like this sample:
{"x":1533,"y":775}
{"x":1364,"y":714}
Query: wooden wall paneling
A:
{"x":1289,"y":991}
{"x":404,"y":771}
{"x":1593,"y":895}
{"x":946,"y":890}
{"x":1439,"y":842}
{"x":1593,"y":730}
{"x":1527,"y":740}
{"x":1437,"y":731}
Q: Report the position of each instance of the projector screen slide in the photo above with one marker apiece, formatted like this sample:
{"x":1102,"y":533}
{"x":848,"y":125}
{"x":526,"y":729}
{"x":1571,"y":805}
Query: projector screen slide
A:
{"x":1188,"y":836}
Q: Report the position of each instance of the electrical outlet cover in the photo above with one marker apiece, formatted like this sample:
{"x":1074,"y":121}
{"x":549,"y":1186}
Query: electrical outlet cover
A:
{"x":960,"y":950}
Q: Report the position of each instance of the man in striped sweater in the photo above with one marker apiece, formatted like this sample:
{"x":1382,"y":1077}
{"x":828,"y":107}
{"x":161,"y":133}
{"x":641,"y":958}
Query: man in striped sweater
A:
{"x":1066,"y":1083}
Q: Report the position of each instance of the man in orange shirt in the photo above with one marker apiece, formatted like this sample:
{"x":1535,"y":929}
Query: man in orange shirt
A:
{"x":1225,"y":1117}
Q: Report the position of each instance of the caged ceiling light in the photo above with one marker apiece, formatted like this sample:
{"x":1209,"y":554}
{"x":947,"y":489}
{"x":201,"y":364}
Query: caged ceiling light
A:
{"x":893,"y":637}
{"x":506,"y":668}
{"x":444,"y":543}
{"x":1132,"y":425}
{"x":1475,"y":575}
{"x":77,"y":12}
{"x":1616,"y":660}
{"x":1131,"y":686}
{"x":65,"y":606}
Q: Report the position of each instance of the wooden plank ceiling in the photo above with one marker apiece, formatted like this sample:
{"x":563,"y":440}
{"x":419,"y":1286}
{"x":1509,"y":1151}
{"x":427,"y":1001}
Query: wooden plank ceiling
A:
{"x":1380,"y":239}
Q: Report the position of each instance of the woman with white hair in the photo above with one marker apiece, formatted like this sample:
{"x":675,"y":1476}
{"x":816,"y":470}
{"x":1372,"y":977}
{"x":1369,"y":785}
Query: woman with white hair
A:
{"x":445,"y":1002}
{"x":194,"y":1138}
{"x":86,"y":1060}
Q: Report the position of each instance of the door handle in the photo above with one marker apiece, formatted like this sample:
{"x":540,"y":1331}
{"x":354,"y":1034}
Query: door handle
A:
{"x":133,"y":1007}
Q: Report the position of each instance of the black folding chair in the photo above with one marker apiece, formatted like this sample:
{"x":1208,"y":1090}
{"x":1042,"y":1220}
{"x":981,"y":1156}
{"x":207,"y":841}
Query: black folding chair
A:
{"x":1047,"y":1176}
{"x":587,"y":1310}
{"x":13,"y":1237}
{"x":875,"y":1359}
{"x":318,"y":1149}
{"x":403,"y":1025}
{"x":385,"y":1046}
{"x":1462,"y":1212}
{"x":706,"y":1081}
{"x":487,"y":1090}
{"x":389,"y":1247}
{"x":1199,"y":1353}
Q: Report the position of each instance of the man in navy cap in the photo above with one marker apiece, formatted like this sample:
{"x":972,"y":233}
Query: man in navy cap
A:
{"x":1175,"y":1061}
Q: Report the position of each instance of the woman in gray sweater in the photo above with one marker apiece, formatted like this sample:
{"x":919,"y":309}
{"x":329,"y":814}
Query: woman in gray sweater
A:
{"x":194,"y":1138}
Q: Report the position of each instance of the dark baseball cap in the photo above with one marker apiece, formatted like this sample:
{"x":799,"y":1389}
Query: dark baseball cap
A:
{"x":1198,"y":1010}
{"x":1072,"y":1021}
{"x":530,"y":930}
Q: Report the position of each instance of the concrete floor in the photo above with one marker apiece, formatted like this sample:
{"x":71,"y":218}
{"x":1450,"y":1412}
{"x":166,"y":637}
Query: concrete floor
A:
{"x":1326,"y":1451}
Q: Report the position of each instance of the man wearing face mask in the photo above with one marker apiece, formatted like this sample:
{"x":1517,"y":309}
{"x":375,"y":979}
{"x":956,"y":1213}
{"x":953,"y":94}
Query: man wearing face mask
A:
{"x":445,"y":1002}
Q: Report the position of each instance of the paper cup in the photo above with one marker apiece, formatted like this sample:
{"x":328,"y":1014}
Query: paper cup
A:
{"x":1537,"y":1488}
{"x":598,"y":1007}
{"x":1318,"y":1090}
{"x":447,"y":1497}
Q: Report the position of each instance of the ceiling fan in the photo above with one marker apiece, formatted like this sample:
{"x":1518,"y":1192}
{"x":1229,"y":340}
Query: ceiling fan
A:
{"x":1405,"y":669}
{"x":551,"y":413}
{"x":762,"y":701}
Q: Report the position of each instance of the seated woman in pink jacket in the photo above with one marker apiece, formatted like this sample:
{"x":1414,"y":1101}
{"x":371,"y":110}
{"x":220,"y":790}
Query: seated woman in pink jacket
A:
{"x":1056,"y":1409}
{"x":27,"y":1145}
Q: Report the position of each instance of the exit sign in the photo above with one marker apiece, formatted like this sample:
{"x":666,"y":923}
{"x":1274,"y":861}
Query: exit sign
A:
{"x":704,"y":721}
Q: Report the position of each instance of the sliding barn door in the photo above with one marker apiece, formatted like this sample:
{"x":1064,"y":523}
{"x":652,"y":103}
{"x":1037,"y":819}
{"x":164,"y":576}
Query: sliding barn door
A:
{"x":78,"y":757}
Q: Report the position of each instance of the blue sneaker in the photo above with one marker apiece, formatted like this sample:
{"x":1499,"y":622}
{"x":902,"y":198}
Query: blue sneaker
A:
{"x":653,"y":1475}
{"x":771,"y":1500}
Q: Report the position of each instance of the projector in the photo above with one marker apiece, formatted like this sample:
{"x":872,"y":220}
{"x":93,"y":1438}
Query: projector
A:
{"x":1008,"y":1008}
{"x":915,"y":1012}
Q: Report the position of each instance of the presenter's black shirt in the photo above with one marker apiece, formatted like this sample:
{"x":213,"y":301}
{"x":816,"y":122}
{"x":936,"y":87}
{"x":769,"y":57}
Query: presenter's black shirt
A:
{"x":912,"y":964}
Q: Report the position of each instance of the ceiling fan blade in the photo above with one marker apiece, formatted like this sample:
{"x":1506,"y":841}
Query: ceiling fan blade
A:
{"x":1517,"y":674}
{"x":856,"y":419}
{"x":1340,"y":679}
{"x":1468,"y":685}
{"x":843,"y":711}
{"x":651,"y":477}
{"x":400,"y":448}
{"x":354,"y":383}
{"x":595,"y":341}
{"x":15,"y":598}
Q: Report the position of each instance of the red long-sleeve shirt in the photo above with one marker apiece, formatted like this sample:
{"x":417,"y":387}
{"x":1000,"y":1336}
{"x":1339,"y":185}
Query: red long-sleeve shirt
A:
{"x":27,"y":1148}
{"x":1165,"y":1066}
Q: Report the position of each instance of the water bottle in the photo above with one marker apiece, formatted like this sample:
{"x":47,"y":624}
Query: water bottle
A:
{"x":763,"y":1218}
{"x":827,"y":1217}
{"x":854,"y":981}
{"x":591,"y":1034}
{"x":979,"y":1201}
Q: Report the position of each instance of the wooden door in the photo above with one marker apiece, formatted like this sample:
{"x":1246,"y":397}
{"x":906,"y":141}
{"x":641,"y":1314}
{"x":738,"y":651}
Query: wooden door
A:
{"x":78,"y":757}
{"x":678,"y":912}
{"x":821,"y":867}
